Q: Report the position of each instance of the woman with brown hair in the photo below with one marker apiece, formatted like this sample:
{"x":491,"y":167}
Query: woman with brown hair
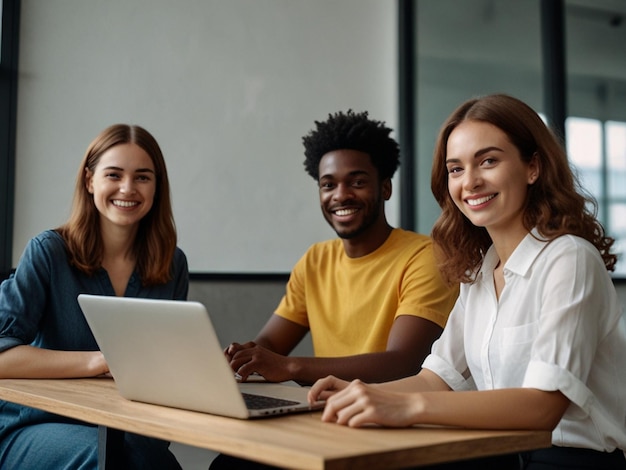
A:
{"x":120,"y":240}
{"x":536,"y":339}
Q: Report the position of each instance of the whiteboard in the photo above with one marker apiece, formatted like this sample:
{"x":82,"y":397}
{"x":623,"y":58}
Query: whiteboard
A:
{"x":227,"y":87}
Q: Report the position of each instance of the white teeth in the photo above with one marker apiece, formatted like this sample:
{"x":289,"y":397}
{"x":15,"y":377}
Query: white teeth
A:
{"x":342,"y":212}
{"x":124,"y":203}
{"x":481,"y":200}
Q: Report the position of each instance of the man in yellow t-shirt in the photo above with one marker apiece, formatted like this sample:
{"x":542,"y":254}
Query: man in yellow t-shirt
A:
{"x":372,"y":299}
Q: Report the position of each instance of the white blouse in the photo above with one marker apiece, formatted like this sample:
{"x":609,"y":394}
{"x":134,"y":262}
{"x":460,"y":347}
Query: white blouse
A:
{"x":556,"y":326}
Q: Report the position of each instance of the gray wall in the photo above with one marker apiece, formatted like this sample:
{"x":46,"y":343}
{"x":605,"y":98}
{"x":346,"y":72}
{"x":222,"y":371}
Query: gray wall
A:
{"x":228,"y":88}
{"x":239,"y":309}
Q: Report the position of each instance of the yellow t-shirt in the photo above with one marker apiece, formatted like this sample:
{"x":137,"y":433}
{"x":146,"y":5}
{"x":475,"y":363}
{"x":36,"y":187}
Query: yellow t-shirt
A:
{"x":350,"y":304}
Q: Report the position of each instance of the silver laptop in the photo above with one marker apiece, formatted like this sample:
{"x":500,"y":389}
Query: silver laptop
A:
{"x":166,"y":352}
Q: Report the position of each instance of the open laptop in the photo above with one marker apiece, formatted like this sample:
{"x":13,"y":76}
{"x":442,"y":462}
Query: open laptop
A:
{"x":166,"y":352}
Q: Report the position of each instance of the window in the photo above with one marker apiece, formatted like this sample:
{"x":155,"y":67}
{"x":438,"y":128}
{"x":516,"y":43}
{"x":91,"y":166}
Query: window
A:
{"x":595,"y":45}
{"x":615,"y":184}
{"x":598,"y":152}
{"x":468,"y":48}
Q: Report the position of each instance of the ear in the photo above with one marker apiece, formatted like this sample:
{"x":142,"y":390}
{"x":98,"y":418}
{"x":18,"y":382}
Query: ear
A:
{"x":89,"y":180}
{"x":534,"y":169}
{"x":387,"y":189}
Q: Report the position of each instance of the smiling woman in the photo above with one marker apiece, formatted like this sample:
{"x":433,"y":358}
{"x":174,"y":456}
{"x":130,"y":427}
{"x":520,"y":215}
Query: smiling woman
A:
{"x":488,"y":179}
{"x":119,"y":240}
{"x":111,"y":160}
{"x":533,"y":261}
{"x":123,"y":185}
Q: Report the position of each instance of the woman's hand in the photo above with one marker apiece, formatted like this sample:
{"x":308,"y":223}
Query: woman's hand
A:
{"x":98,"y":365}
{"x":29,"y":362}
{"x":359,"y":404}
{"x":324,"y":388}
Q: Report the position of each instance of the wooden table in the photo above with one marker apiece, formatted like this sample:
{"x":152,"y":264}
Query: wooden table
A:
{"x":300,"y":441}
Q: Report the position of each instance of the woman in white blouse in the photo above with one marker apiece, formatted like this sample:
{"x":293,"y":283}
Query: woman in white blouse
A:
{"x":536,"y":339}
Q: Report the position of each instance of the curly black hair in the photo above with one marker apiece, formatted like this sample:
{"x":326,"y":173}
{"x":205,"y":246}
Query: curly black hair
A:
{"x":353,"y":131}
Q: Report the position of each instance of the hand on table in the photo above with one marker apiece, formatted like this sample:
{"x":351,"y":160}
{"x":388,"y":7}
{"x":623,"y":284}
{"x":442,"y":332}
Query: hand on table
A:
{"x":356,"y":404}
{"x":250,"y":358}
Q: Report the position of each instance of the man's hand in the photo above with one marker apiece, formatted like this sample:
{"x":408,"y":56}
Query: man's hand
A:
{"x":249,"y":358}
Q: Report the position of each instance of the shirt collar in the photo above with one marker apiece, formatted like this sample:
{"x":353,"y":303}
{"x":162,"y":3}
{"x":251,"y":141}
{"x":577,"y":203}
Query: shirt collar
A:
{"x":521,"y":259}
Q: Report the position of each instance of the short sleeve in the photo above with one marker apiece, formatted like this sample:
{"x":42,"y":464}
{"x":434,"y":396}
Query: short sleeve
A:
{"x":423,"y":292}
{"x":293,"y":304}
{"x":576,"y":316}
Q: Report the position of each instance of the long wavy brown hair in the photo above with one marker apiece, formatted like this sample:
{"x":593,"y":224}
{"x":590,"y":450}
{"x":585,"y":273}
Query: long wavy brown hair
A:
{"x":155,"y":242}
{"x":556,"y":204}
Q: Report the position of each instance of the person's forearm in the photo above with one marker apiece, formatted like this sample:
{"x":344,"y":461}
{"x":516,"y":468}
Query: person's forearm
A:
{"x":35,"y":363}
{"x":371,"y":368}
{"x":425,"y":381}
{"x":518,"y":408}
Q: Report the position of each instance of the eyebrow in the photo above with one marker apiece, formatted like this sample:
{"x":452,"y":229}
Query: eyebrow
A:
{"x":138,"y":170}
{"x":477,"y":154}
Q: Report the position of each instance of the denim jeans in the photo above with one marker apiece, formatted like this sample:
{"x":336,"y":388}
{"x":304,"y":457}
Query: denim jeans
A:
{"x":58,"y":446}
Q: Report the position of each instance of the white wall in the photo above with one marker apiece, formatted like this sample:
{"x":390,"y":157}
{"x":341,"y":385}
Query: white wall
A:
{"x":228,"y":88}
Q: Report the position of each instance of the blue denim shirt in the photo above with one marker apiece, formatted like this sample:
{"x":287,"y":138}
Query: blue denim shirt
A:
{"x":38,"y":306}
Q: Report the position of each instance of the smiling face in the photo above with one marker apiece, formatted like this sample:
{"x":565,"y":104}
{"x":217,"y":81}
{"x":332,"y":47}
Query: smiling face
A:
{"x":351,"y":195}
{"x":487,"y":178}
{"x":123,"y":185}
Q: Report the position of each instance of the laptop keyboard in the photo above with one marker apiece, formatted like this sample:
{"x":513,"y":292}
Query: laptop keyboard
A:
{"x":259,"y":402}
